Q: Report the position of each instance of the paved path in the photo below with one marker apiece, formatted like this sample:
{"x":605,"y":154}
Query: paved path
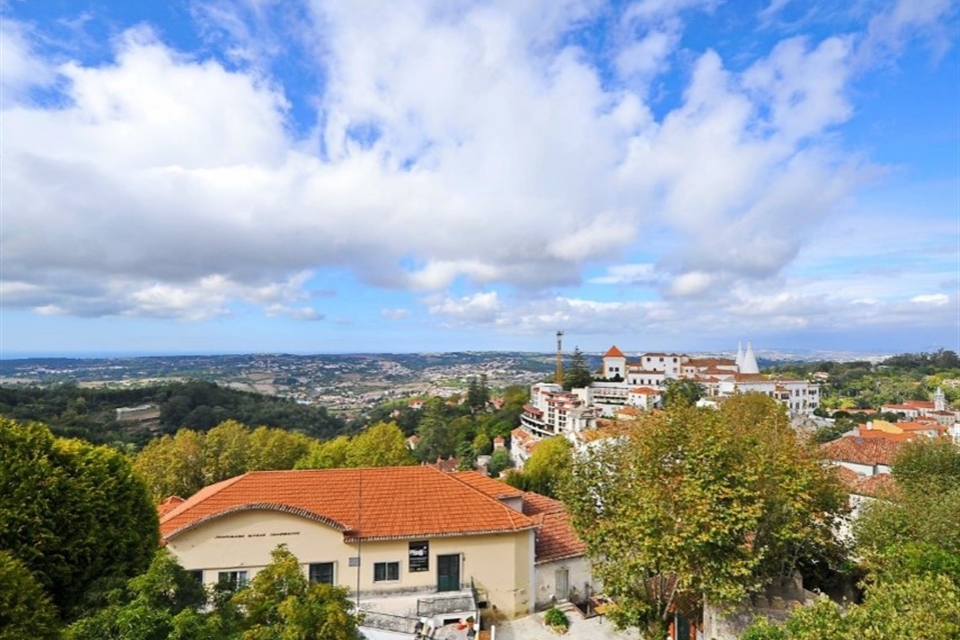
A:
{"x":532,"y":628}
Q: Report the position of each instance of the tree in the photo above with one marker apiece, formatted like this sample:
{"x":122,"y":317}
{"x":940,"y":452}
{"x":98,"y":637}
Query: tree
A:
{"x":63,"y":504}
{"x":915,"y":528}
{"x":921,"y":608}
{"x":25,"y":609}
{"x":226,"y":449}
{"x":684,"y":393}
{"x":151,"y":606}
{"x":331,"y":454}
{"x":280,"y":604}
{"x":547,"y":469}
{"x":499,"y":462}
{"x":478,"y":394}
{"x":172,"y":465}
{"x":272,"y":449}
{"x":438,"y":435}
{"x":700,"y":503}
{"x":577,"y":375}
{"x":381,"y":445}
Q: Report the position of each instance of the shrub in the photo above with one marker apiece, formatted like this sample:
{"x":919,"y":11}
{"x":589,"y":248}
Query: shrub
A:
{"x":556,"y":620}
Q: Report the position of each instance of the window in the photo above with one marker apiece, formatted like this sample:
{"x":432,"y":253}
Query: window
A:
{"x":233,"y":579}
{"x":321,"y":572}
{"x":197,"y":575}
{"x":384,"y":571}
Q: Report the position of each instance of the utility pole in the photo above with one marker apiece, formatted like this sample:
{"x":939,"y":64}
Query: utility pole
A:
{"x":559,"y":379}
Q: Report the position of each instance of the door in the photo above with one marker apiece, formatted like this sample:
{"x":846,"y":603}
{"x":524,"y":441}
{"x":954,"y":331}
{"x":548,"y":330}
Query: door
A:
{"x":562,"y":585}
{"x":448,"y":572}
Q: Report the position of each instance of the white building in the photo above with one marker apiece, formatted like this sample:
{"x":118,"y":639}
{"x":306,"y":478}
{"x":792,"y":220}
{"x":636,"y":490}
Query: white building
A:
{"x":641,"y":383}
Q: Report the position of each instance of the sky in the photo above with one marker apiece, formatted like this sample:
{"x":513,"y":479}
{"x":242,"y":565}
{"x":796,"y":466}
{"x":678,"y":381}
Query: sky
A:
{"x":319,"y":176}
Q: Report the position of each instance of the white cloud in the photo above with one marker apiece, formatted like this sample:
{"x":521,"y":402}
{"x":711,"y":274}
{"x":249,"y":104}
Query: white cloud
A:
{"x":395,"y":314}
{"x":931,"y":298}
{"x":455,"y":144}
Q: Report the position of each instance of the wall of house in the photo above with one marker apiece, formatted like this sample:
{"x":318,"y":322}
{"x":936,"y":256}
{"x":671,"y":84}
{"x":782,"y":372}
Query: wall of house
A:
{"x":502,"y":564}
{"x":578,"y":575}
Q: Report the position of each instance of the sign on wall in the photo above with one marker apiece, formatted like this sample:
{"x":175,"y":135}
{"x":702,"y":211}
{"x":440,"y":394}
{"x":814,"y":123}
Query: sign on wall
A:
{"x":419,"y":556}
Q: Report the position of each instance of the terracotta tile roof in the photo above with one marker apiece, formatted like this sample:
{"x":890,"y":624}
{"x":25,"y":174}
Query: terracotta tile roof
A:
{"x":613,"y":352}
{"x":876,"y":433}
{"x":645,"y":391}
{"x":848,"y":478}
{"x":368,"y":504}
{"x":877,"y":485}
{"x":493,"y":488}
{"x":556,"y":538}
{"x":168,"y":505}
{"x":921,"y":426}
{"x":862,"y":450}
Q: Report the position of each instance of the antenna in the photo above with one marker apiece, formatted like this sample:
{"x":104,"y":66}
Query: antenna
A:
{"x":559,"y":379}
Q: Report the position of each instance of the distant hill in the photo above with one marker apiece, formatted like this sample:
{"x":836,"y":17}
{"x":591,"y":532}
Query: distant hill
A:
{"x":91,"y":412}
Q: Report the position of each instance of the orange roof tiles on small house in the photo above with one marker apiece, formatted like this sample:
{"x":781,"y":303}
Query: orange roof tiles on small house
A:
{"x":556,"y":538}
{"x":613,"y":352}
{"x":869,"y":451}
{"x":396,"y":503}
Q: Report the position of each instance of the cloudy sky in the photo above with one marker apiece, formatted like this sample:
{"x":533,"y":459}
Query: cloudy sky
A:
{"x":311,"y":176}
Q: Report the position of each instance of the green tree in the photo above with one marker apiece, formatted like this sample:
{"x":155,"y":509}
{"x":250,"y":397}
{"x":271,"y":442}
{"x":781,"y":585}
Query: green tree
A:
{"x":920,"y":608}
{"x":577,"y":375}
{"x":499,"y":462}
{"x":331,"y":454}
{"x":915,"y":529}
{"x":280,"y":604}
{"x":25,"y":609}
{"x":226,"y":450}
{"x":381,"y":445}
{"x":547,"y":469}
{"x":478,"y":393}
{"x":700,"y":503}
{"x":162,"y":603}
{"x":71,"y":512}
{"x":272,"y":449}
{"x":438,"y":435}
{"x":172,"y":465}
{"x":683,"y":393}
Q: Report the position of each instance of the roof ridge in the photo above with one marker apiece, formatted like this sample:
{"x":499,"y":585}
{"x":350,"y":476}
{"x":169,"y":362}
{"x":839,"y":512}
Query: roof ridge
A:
{"x":510,"y":511}
{"x":208,"y":492}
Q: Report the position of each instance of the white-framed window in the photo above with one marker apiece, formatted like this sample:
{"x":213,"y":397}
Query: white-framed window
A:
{"x":321,"y":572}
{"x":235,"y":579}
{"x":386,"y":571}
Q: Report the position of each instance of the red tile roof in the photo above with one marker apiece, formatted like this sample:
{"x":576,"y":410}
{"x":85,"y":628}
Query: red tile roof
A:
{"x":880,"y":484}
{"x":862,"y":450}
{"x":613,"y":352}
{"x":369,"y":504}
{"x":168,"y":505}
{"x":556,"y":538}
{"x":848,"y":478}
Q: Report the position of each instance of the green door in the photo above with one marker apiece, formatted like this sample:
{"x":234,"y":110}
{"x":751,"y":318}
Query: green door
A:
{"x":448,"y":572}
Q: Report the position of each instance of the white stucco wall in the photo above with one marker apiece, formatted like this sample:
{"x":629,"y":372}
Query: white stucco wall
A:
{"x":242,"y":541}
{"x":578,"y":572}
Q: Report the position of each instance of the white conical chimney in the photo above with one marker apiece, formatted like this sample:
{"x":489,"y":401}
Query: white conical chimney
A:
{"x":749,"y":363}
{"x":739,"y":360}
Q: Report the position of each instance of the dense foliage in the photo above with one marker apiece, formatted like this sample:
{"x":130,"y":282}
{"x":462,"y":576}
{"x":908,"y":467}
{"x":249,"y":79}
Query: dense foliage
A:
{"x":166,"y":603}
{"x":25,"y":609}
{"x":698,"y":503}
{"x":867,"y":385}
{"x":547,"y":469}
{"x":909,"y":543}
{"x":72,"y":513}
{"x":90,"y":413}
{"x":182,"y":464}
